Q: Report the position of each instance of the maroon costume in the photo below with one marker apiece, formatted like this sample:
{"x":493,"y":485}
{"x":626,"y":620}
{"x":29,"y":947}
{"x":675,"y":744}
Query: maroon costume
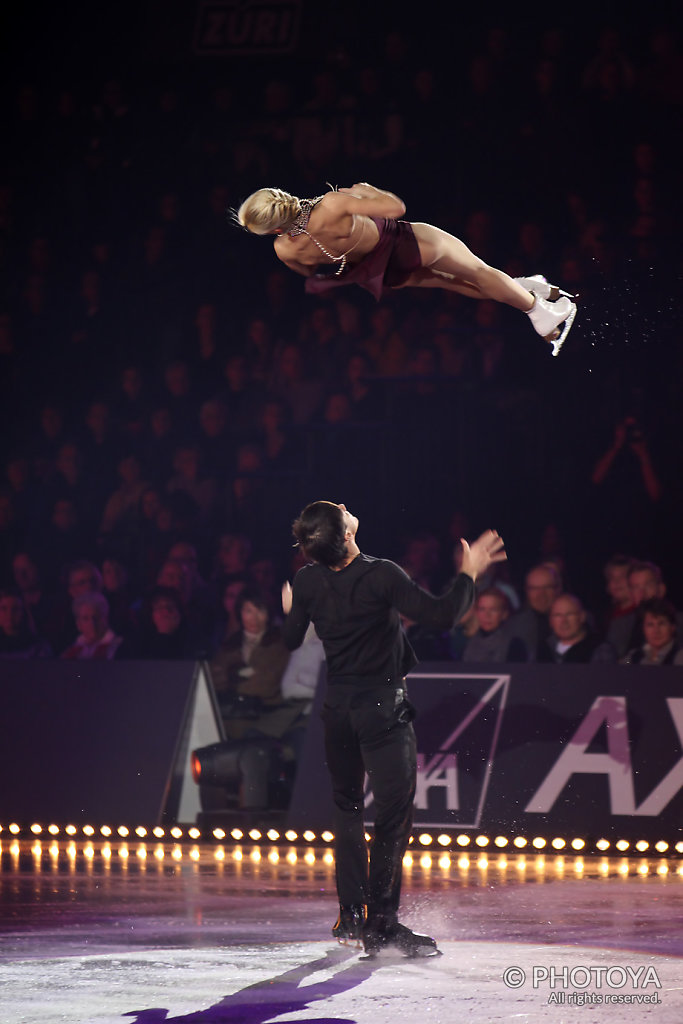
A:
{"x":388,"y":265}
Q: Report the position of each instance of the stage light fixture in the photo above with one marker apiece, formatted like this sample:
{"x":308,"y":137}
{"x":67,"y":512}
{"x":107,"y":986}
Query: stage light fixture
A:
{"x":273,"y":835}
{"x":71,"y":830}
{"x":482,"y":840}
{"x":105,"y":830}
{"x":661,"y":846}
{"x":309,"y":836}
{"x":539,"y":843}
{"x":520,"y":842}
{"x":88,"y":830}
{"x":622,"y":845}
{"x":53,"y":830}
{"x":14,"y":829}
{"x":463,"y":840}
{"x":444,"y":840}
{"x":578,"y":844}
{"x":602,"y":844}
{"x":327,"y":837}
{"x":36,"y":829}
{"x":176,"y":832}
{"x":501,"y":841}
{"x":425,"y":839}
{"x":218,"y":833}
{"x":255,"y":835}
{"x":291,"y":836}
{"x":141,"y":831}
{"x":194,"y":833}
{"x":237,"y":834}
{"x":642,"y":846}
{"x":123,"y":831}
{"x":559,"y":844}
{"x":158,"y":832}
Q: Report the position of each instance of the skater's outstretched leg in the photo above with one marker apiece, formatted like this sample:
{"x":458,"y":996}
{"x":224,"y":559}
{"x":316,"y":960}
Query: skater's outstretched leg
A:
{"x":442,"y":252}
{"x":448,"y":263}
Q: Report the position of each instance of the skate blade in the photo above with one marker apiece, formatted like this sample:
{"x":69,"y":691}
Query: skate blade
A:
{"x":394,"y":953}
{"x":353,"y":943}
{"x":557,"y":343}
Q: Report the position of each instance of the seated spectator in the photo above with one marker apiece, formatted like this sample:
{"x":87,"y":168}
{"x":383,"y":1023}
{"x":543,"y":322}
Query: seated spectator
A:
{"x":532,"y":625}
{"x":164,"y":632}
{"x":246,"y":672}
{"x":658,"y":621}
{"x":188,"y":477}
{"x":570,"y":641}
{"x":41,"y":607}
{"x":18,"y":639}
{"x":645,"y":581}
{"x":95,"y":640}
{"x":121,"y":507}
{"x":228,"y":620}
{"x":616,"y":571}
{"x":493,"y":640}
{"x":247,"y":669}
{"x":122,"y":600}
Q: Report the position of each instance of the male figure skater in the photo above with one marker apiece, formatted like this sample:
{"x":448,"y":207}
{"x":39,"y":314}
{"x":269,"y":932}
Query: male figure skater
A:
{"x":354,"y":601}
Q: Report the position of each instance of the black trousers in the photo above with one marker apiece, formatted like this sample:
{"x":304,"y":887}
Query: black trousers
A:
{"x":369,"y":730}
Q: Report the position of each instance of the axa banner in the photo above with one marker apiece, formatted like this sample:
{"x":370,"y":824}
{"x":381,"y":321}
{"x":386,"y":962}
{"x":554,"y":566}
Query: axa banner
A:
{"x":533,"y":749}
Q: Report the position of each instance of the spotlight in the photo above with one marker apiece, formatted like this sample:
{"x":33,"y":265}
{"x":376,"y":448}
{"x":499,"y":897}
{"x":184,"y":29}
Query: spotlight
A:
{"x":218,"y":833}
{"x":482,"y":840}
{"x":425,"y":839}
{"x":602,"y":844}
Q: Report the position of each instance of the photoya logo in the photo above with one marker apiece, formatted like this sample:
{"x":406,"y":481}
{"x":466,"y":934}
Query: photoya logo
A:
{"x":457,"y":732}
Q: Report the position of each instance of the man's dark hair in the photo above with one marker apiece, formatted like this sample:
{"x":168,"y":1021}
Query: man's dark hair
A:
{"x":659,"y":607}
{"x":320,"y":532}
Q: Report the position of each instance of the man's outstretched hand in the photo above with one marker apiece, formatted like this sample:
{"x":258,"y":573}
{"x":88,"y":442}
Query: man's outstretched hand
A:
{"x":481,"y":553}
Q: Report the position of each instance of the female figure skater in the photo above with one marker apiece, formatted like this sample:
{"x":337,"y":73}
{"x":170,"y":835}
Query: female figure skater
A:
{"x":354,"y":236}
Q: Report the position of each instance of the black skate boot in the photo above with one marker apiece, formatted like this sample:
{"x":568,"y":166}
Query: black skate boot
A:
{"x":379,"y":935}
{"x":349,"y":927}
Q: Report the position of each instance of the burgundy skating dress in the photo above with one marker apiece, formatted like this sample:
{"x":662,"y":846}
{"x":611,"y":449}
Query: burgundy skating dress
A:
{"x":389,"y":265}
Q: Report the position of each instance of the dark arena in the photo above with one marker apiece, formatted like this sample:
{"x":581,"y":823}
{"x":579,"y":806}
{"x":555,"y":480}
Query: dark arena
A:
{"x":341,"y":572}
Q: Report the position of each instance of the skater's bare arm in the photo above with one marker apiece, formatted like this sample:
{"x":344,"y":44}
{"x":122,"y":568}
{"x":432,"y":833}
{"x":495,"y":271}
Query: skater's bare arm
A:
{"x":371,"y":202}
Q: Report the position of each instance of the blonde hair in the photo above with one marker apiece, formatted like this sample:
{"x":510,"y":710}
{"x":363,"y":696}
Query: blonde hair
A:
{"x":268,"y":209}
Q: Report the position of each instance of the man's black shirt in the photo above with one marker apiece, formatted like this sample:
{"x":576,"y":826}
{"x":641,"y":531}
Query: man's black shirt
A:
{"x":355,"y":611}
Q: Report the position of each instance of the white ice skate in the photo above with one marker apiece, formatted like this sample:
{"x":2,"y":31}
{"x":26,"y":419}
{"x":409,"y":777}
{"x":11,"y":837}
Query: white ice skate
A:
{"x":540,"y":286}
{"x":548,"y":317}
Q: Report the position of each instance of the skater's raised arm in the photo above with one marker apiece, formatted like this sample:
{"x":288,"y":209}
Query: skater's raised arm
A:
{"x":420,"y":606}
{"x":372,"y":202}
{"x":297,"y":620}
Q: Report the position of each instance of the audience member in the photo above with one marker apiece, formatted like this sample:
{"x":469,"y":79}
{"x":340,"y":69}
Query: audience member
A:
{"x":18,"y":639}
{"x":658,"y":622}
{"x":164,"y":632}
{"x":95,"y":640}
{"x":493,"y":640}
{"x":532,"y":624}
{"x":570,"y":641}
